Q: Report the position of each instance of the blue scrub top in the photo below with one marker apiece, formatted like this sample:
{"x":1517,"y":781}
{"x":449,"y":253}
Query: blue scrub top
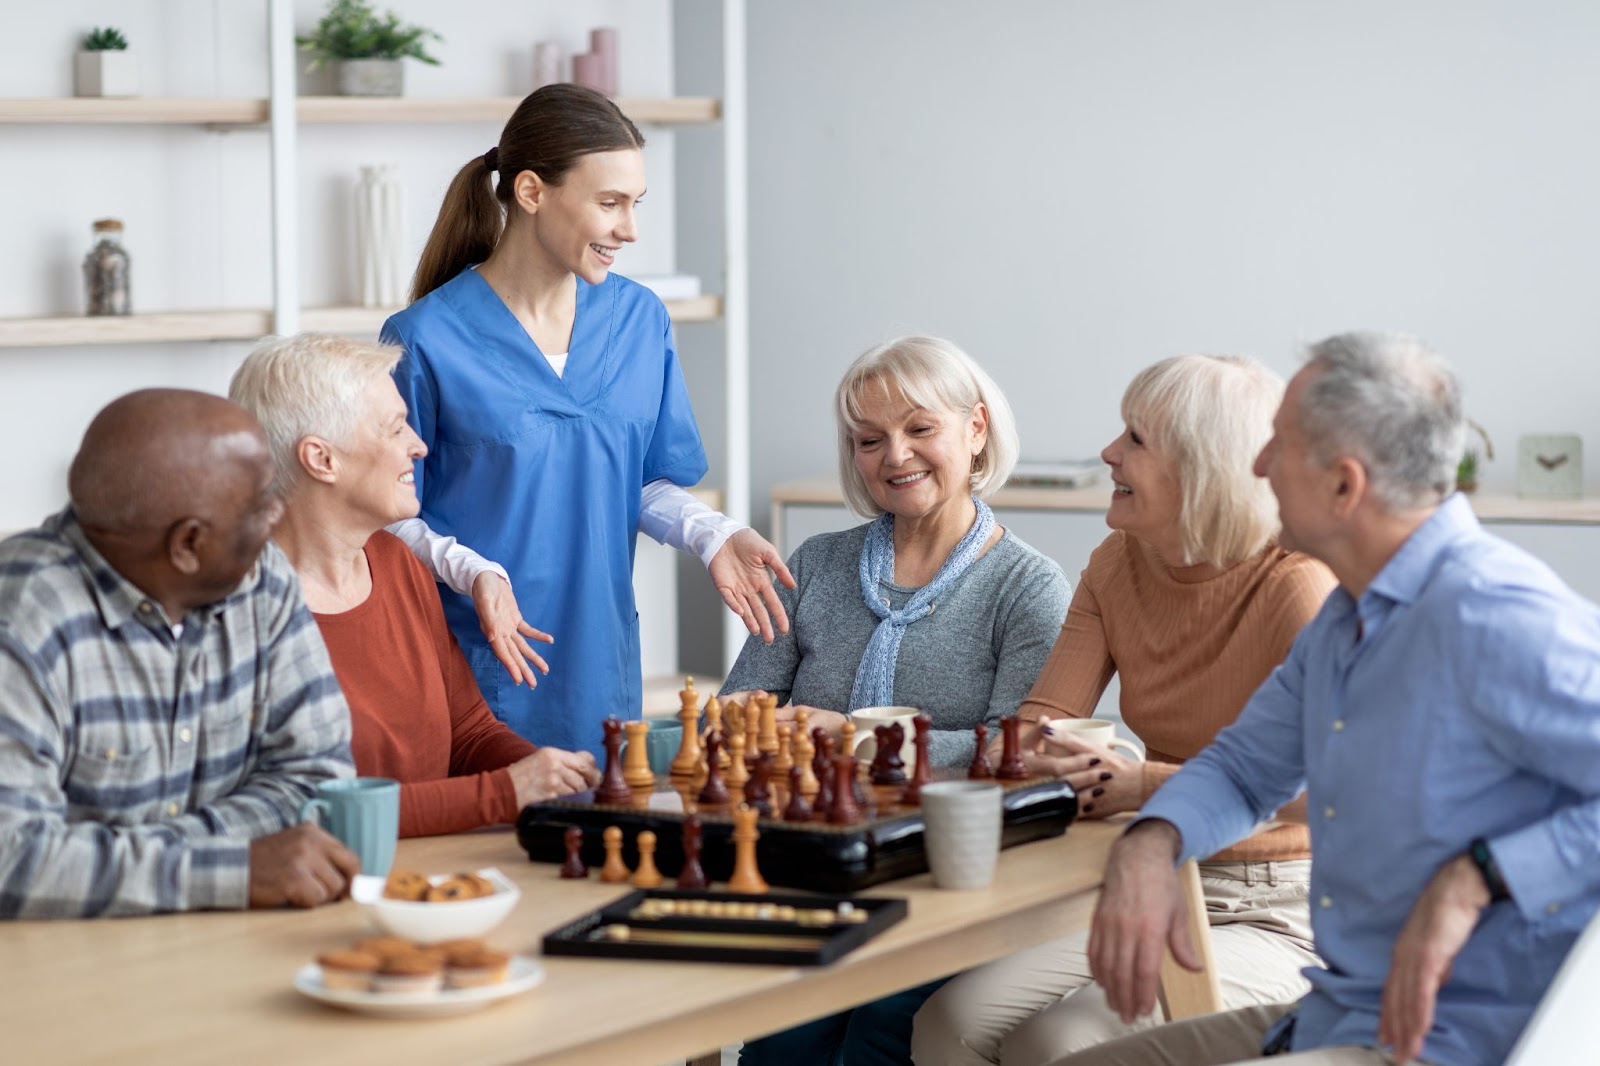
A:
{"x":542,"y":474}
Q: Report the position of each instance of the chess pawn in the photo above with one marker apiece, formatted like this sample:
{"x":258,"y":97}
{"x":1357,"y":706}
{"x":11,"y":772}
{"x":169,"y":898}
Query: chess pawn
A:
{"x":692,"y":876}
{"x":715,"y":791}
{"x":847,"y":738}
{"x":687,"y":761}
{"x":768,"y":743}
{"x":802,"y":722}
{"x":785,"y":757}
{"x":738,"y":768}
{"x":746,"y":877}
{"x":613,"y":786}
{"x":843,"y":810}
{"x":647,"y":876}
{"x":574,"y":868}
{"x":798,"y":809}
{"x":804,"y":752}
{"x":636,"y":763}
{"x":614,"y":869}
{"x":1012,"y":768}
{"x":981,"y":769}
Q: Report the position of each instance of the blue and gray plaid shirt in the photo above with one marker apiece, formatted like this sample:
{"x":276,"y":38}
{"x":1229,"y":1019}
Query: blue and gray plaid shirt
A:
{"x":136,"y":765}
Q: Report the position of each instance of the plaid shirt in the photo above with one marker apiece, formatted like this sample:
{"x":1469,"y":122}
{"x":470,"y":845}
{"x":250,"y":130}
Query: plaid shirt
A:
{"x":135,"y":765}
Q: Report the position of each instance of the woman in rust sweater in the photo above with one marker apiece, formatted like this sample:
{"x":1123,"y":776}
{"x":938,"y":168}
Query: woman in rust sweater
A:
{"x":344,"y":453}
{"x":1192,"y":603}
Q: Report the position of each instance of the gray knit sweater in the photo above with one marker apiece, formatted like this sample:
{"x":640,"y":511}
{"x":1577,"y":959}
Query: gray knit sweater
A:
{"x":972,"y":660}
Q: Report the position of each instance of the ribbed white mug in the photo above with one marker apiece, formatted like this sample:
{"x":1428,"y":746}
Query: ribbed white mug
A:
{"x":961,"y":831}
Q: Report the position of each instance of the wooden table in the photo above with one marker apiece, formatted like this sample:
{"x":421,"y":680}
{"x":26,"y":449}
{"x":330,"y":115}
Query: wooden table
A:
{"x":207,"y":988}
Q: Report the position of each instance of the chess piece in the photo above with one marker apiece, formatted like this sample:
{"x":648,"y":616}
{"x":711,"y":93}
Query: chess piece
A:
{"x":768,"y":726}
{"x":843,"y":810}
{"x":752,"y":728}
{"x":822,"y":767}
{"x":714,"y":791}
{"x":687,"y":761}
{"x":921,"y":773}
{"x":715,"y":719}
{"x":757,"y":793}
{"x":1012,"y":768}
{"x":746,"y":877}
{"x":804,"y":752}
{"x":692,"y":875}
{"x":647,"y":876}
{"x":613,"y":786}
{"x":891,"y":769}
{"x":785,"y":759}
{"x":636,"y":759}
{"x":574,"y":868}
{"x":798,"y":809}
{"x":738,"y":769}
{"x":802,"y":723}
{"x":980,"y":769}
{"x":614,"y":869}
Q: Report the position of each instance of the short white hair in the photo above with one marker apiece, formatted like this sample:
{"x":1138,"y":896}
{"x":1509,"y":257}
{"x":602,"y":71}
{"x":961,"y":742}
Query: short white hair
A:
{"x":308,"y":385}
{"x":933,"y":374}
{"x":1394,"y":404}
{"x":1212,"y":415}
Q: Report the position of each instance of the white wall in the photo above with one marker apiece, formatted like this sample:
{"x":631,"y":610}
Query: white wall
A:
{"x":1073,"y":189}
{"x":196,"y":202}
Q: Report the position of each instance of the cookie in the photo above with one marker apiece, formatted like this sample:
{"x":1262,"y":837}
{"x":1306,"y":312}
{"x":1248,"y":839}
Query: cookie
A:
{"x":404,"y":884}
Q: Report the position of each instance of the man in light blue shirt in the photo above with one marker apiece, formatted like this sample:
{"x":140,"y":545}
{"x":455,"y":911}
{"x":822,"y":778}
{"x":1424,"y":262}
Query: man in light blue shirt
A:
{"x":1442,"y":713}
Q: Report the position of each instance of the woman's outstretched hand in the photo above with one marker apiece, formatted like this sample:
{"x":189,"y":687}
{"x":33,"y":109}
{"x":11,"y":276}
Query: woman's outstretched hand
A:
{"x":742,"y":572}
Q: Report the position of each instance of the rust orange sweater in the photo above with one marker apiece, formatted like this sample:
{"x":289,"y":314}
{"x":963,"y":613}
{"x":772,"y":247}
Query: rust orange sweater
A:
{"x":416,"y":714}
{"x":1190,"y":645}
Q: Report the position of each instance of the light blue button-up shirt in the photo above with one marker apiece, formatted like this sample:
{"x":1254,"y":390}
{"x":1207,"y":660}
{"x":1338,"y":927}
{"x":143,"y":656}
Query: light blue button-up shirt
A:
{"x":1459,"y":697}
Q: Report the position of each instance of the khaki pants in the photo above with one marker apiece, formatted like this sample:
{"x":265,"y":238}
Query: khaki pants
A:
{"x":1219,"y":1040}
{"x":1039,"y":1005}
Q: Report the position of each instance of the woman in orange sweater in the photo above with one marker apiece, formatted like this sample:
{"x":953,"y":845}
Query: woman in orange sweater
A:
{"x":344,"y":453}
{"x":1192,"y":602}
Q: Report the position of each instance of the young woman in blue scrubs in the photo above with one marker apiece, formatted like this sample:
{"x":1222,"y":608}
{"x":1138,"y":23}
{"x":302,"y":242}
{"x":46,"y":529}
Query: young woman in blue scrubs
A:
{"x":548,"y":392}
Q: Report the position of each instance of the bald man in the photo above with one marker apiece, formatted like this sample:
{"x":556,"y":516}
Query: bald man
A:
{"x":166,"y":703}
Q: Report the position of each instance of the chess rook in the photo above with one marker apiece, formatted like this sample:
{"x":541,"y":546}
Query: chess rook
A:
{"x":636,"y":759}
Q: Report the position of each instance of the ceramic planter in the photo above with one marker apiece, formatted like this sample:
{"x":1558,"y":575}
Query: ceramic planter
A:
{"x":371,"y":77}
{"x":106,"y":74}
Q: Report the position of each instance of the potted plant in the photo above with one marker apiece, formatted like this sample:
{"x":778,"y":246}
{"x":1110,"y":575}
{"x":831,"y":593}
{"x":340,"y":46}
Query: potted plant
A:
{"x":104,"y":66}
{"x":366,"y":47}
{"x":1467,"y":468}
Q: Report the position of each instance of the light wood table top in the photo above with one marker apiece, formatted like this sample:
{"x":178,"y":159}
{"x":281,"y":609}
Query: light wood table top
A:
{"x":204,"y":988}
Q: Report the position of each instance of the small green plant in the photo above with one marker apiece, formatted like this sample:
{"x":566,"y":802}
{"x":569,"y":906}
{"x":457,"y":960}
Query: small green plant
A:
{"x":351,"y":29}
{"x":105,"y":39}
{"x":1467,"y":472}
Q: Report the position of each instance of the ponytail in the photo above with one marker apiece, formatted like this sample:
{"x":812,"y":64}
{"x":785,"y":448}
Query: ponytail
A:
{"x":551,"y":130}
{"x":469,"y":224}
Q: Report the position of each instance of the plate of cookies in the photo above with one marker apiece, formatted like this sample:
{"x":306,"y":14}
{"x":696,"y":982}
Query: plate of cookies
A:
{"x":431,"y":909}
{"x":394,"y":977}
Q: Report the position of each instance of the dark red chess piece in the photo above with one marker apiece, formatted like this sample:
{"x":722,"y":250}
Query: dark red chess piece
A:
{"x":758,"y":790}
{"x":855,"y":783}
{"x":843,"y":810}
{"x":921,"y":773}
{"x":822,"y":767}
{"x":613,"y":788}
{"x":798,"y":809}
{"x":574,"y":867}
{"x":980,"y":769}
{"x":715,"y":790}
{"x":692,"y":875}
{"x":892,"y":768}
{"x":880,"y":753}
{"x":1012,"y":768}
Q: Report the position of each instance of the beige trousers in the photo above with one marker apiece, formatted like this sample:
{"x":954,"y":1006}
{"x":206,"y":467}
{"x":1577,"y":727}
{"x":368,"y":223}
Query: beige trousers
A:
{"x":1219,"y":1040}
{"x":1041,"y":1004}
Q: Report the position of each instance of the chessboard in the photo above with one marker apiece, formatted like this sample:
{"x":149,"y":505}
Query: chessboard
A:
{"x":823,"y":821}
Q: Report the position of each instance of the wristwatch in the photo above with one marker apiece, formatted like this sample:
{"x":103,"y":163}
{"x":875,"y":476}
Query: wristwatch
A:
{"x":1483,"y":859}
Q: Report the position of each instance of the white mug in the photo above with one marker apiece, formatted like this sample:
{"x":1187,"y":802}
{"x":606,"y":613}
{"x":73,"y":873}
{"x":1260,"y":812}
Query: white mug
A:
{"x":1094,"y":730}
{"x":869,"y":718}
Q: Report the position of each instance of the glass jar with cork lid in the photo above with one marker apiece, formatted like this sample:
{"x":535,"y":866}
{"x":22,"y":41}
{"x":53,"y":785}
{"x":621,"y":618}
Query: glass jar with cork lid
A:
{"x":105,"y":271}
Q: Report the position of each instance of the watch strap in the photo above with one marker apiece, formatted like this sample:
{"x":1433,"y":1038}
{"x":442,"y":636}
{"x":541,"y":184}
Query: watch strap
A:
{"x":1483,"y":859}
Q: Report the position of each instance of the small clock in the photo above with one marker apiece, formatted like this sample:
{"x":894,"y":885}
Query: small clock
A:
{"x":1550,"y":465}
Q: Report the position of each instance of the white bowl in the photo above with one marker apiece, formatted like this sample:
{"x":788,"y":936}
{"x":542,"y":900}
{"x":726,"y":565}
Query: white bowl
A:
{"x":429,"y":923}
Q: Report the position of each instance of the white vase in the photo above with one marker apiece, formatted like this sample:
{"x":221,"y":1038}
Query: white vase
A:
{"x":380,"y":236}
{"x":371,"y":77}
{"x":108,"y":73}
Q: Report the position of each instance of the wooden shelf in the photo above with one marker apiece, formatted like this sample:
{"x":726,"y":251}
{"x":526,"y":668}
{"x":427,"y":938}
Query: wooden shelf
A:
{"x":324,"y":109}
{"x":245,"y":324}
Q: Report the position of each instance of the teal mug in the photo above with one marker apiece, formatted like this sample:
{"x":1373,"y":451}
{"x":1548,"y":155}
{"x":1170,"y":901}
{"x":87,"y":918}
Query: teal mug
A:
{"x":663,"y":743}
{"x":364,"y":813}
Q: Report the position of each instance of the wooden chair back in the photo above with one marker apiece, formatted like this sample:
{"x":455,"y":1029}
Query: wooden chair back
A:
{"x":1184,"y":993}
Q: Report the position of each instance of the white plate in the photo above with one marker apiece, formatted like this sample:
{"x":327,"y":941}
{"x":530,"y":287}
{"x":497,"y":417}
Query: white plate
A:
{"x":521,"y":975}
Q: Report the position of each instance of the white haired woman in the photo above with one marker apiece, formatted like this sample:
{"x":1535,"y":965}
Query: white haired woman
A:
{"x":932,"y":604}
{"x":344,"y":453}
{"x":1193,"y":603}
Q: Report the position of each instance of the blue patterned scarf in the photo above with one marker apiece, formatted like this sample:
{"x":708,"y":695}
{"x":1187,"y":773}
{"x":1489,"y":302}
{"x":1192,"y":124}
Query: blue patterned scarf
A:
{"x":874,"y":684}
